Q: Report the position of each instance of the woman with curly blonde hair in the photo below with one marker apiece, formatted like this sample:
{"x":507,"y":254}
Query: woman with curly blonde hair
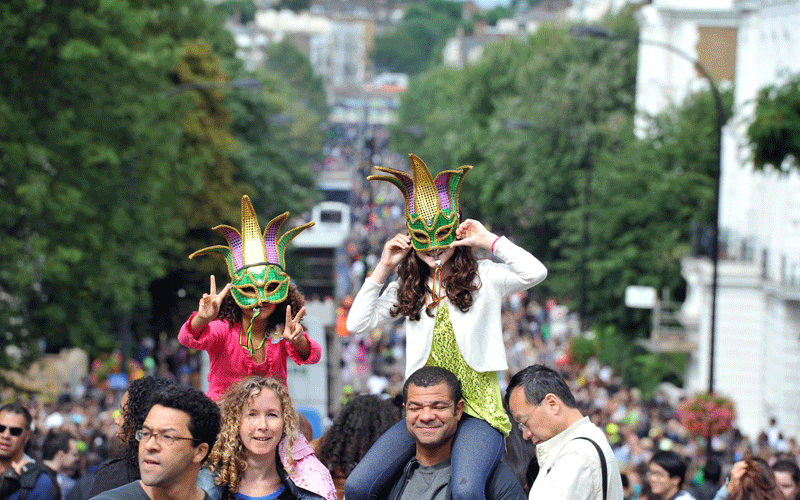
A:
{"x":255,"y":456}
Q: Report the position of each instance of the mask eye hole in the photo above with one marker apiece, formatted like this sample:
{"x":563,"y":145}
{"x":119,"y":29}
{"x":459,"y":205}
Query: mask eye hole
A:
{"x":272,"y":287}
{"x":420,"y":236}
{"x":442,"y":233}
{"x":248,"y":291}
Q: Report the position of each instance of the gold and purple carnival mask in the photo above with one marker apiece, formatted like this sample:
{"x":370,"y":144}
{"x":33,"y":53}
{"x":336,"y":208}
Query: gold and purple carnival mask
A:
{"x":256,"y":262}
{"x":431,"y":204}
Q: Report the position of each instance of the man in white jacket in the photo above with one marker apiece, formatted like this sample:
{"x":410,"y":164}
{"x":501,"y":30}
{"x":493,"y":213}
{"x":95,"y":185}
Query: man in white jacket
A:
{"x":575,"y":460}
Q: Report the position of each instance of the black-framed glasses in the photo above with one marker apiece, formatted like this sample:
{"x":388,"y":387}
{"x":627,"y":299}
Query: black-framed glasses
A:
{"x":144,"y":435}
{"x":14,"y":431}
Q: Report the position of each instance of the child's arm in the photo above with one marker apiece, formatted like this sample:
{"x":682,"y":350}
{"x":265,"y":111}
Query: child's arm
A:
{"x":293,"y":332}
{"x":194,"y":333}
{"x":370,"y":309}
{"x":523,"y":270}
{"x":208,"y":308}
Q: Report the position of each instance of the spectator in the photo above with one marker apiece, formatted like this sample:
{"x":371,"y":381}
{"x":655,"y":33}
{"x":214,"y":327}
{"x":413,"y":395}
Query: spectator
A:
{"x":787,"y":476}
{"x":259,"y":422}
{"x":666,"y":474}
{"x":60,"y":455}
{"x":575,"y":459}
{"x":175,"y":439}
{"x":355,"y":429}
{"x":434,"y":406}
{"x":21,"y":477}
{"x":751,"y":479}
{"x":711,"y":474}
{"x":133,"y":408}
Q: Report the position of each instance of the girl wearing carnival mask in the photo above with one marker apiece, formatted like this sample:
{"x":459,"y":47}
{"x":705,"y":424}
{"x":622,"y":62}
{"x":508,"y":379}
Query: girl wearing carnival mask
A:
{"x":252,"y":326}
{"x":452,"y":305}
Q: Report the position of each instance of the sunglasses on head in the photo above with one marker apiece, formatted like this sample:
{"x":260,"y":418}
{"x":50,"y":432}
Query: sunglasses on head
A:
{"x":15,"y":431}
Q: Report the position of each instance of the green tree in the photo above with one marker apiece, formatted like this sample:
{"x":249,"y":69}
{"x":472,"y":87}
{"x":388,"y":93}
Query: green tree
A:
{"x":295,"y":5}
{"x":417,"y":42}
{"x":243,"y":11}
{"x":106,"y":169}
{"x":527,"y":126}
{"x":558,"y":115}
{"x":295,"y":71}
{"x":257,"y":142}
{"x":492,"y":16}
{"x":774,"y":132}
{"x":88,"y":176}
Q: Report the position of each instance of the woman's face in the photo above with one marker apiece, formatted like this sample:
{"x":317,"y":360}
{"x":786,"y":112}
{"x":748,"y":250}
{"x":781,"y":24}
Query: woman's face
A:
{"x":431,"y":257}
{"x":262,"y":423}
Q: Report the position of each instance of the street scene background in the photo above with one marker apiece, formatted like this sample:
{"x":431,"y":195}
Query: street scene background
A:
{"x":645,"y":153}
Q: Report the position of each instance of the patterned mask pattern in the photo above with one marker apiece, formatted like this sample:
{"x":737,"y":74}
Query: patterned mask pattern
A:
{"x":256,"y":261}
{"x":432,"y":213}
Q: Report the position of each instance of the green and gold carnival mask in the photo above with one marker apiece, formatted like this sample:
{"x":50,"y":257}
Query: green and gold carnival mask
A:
{"x":256,"y":261}
{"x":431,"y":204}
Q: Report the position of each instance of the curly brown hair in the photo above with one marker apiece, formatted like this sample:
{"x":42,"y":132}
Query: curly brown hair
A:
{"x":359,"y":424}
{"x":413,"y":275}
{"x":229,"y":457}
{"x":230,"y":311}
{"x":757,"y":482}
{"x":134,"y":412}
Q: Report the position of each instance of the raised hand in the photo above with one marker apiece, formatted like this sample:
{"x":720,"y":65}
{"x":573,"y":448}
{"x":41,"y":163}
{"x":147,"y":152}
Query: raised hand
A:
{"x":473,"y":234}
{"x":293,"y":330}
{"x":395,"y":249}
{"x":208,"y":308}
{"x":393,"y":253}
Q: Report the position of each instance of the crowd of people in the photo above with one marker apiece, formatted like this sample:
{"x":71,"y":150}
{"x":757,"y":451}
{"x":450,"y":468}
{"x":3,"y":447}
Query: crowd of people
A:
{"x":460,"y":386}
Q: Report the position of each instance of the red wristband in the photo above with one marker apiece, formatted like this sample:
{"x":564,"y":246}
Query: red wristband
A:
{"x":495,"y":241}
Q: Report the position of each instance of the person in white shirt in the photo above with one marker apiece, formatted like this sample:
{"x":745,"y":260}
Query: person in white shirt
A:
{"x":575,"y":460}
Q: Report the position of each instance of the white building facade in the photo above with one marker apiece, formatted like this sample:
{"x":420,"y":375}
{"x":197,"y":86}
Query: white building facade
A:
{"x":752,"y":44}
{"x":337,"y":48}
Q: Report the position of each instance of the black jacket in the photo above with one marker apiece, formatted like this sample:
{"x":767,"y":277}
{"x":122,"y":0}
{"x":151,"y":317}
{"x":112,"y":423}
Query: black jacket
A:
{"x":291,"y":491}
{"x":113,"y":474}
{"x":502,"y":484}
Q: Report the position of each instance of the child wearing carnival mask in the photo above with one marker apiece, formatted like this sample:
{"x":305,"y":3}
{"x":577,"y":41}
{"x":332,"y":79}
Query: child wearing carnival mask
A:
{"x":452,"y":304}
{"x":252,"y":326}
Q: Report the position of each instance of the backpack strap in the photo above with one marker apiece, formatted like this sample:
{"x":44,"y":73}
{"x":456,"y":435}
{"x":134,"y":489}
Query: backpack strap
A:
{"x":29,"y":477}
{"x":603,"y":466}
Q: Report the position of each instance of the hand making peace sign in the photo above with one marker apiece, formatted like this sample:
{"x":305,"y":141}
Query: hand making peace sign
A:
{"x":293,"y":330}
{"x":208,"y":308}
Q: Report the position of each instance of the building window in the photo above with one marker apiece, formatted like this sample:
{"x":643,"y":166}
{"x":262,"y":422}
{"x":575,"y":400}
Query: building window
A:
{"x":716,"y":51}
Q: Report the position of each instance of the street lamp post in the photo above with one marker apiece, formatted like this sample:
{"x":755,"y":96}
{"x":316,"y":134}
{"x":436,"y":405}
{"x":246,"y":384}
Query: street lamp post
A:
{"x":596,"y":32}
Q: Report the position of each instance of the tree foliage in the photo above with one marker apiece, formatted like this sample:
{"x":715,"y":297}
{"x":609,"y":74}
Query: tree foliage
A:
{"x":774,"y":133}
{"x":242,"y":11}
{"x":551,"y":138}
{"x":418,"y":40}
{"x":105,"y":171}
{"x":293,"y":68}
{"x":295,"y":5}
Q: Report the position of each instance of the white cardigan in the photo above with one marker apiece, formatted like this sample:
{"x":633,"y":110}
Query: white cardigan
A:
{"x":478,"y":331}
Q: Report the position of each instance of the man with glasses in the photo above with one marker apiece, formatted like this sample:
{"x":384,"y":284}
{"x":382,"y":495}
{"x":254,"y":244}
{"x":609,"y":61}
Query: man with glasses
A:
{"x":575,"y":459}
{"x":174,"y":441}
{"x":21,"y":478}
